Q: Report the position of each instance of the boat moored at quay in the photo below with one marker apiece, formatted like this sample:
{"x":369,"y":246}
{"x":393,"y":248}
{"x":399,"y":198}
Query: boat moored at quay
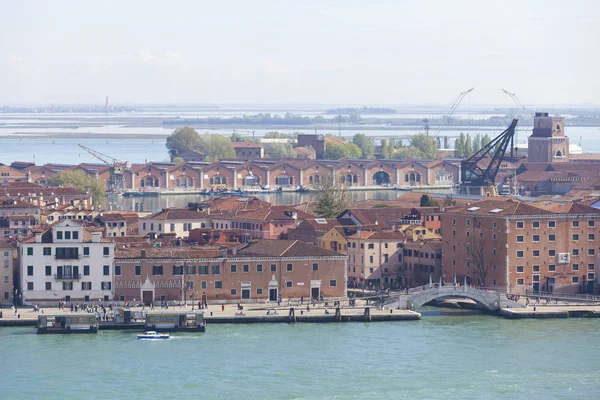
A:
{"x":67,"y":323}
{"x":164,"y":321}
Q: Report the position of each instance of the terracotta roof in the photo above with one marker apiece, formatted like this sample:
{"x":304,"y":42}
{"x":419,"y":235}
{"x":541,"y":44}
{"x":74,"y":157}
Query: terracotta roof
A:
{"x":273,"y":212}
{"x":509,"y":206}
{"x":235,"y":203}
{"x":322,"y":224}
{"x":6,"y":243}
{"x":381,"y":216}
{"x":168,"y":252}
{"x":178,"y":213}
{"x":287,"y":248}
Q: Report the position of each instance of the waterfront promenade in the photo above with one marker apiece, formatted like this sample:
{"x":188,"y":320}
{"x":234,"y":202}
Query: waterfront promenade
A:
{"x":251,"y":313}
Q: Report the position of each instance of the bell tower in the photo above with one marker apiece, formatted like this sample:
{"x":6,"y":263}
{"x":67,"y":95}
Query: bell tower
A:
{"x":548,"y":142}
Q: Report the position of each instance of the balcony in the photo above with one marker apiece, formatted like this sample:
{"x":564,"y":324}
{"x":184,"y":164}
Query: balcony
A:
{"x":67,"y":256}
{"x":67,"y":277}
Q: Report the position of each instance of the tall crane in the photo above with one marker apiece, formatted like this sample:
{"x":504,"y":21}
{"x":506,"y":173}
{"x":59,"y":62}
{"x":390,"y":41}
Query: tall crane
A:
{"x":515,"y":99}
{"x":117,"y":168}
{"x":520,"y":104}
{"x":475,"y":176}
{"x":446,"y":117}
{"x":454,"y":106}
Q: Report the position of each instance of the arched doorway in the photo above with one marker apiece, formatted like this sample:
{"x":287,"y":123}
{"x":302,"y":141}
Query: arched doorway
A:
{"x":184,"y":181}
{"x":284,"y":180}
{"x":149,"y":181}
{"x":381,"y":178}
{"x":348,"y":180}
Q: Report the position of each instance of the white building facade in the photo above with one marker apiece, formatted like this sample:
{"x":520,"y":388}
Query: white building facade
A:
{"x":66,"y":262}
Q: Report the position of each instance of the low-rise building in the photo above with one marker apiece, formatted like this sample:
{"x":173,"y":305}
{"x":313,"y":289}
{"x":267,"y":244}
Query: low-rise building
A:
{"x":7,"y":263}
{"x":422,"y":262}
{"x":248,"y":150}
{"x":174,"y":220}
{"x":66,"y":262}
{"x":373,"y":258}
{"x":266,"y":270}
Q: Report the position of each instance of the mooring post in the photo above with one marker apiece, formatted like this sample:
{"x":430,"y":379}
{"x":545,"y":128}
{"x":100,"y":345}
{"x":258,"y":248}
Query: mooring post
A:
{"x":292,"y":315}
{"x":338,"y":315}
{"x":368,"y":314}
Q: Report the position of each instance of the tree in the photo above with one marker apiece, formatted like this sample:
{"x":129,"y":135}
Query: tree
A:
{"x":216,"y":147}
{"x":390,"y":149}
{"x":485,"y":140}
{"x":236,"y":137}
{"x":449,"y":201}
{"x":178,"y":160}
{"x":306,"y":152}
{"x":182,"y":139}
{"x":338,"y":150}
{"x":477,"y":263}
{"x":81,"y":180}
{"x":333,"y":197}
{"x":366,"y":145}
{"x":384,"y":149}
{"x":281,"y":150}
{"x":427,"y":201}
{"x":459,"y":147}
{"x":421,"y":146}
{"x":476,"y":143}
{"x":468,"y":147}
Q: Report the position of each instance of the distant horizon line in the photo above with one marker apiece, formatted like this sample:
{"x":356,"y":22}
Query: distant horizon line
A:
{"x":301,"y":105}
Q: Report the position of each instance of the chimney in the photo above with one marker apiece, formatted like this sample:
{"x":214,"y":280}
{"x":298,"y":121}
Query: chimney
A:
{"x":143,"y":253}
{"x":38,"y":237}
{"x":96,"y":237}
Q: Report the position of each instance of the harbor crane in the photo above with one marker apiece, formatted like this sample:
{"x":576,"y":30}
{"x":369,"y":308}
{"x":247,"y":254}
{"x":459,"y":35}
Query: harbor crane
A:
{"x":117,"y":168}
{"x":515,"y":99}
{"x":446,"y":117}
{"x":480,"y":177}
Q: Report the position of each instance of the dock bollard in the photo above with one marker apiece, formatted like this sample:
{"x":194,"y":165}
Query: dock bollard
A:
{"x":292,"y":315}
{"x":367,"y":314}
{"x":211,"y":313}
{"x":338,"y":315}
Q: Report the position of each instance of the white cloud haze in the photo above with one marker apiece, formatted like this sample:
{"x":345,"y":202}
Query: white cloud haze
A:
{"x":278,"y":52}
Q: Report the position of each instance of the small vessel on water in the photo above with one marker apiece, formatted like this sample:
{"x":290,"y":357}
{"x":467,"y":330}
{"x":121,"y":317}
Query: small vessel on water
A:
{"x":153,"y":335}
{"x":175,"y":321}
{"x":67,"y":323}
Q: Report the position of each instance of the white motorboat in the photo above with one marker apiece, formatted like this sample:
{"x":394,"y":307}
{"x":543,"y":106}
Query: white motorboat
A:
{"x":153,"y":335}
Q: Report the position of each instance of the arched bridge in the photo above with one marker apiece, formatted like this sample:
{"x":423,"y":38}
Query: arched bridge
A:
{"x":416,"y":297}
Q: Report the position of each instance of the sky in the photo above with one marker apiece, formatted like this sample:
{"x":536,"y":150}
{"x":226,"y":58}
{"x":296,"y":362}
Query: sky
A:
{"x":353,"y":52}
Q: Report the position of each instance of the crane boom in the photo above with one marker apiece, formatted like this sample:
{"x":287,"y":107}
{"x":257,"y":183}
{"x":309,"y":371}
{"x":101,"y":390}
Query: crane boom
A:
{"x":515,"y":99}
{"x":103,"y":157}
{"x":454,"y":106}
{"x":474,"y":175}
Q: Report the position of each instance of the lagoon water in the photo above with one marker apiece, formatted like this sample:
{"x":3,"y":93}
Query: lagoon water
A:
{"x":446,"y":357}
{"x":151,"y":147}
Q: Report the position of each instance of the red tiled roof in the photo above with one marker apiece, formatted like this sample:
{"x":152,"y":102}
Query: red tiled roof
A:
{"x":178,"y":213}
{"x":287,"y":248}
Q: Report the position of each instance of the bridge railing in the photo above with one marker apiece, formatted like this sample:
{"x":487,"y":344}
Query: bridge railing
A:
{"x":432,"y":286}
{"x":560,"y":296}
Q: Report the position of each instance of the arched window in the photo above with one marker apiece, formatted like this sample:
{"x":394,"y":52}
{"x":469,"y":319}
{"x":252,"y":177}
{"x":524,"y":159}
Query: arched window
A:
{"x":310,"y":179}
{"x":211,"y":181}
{"x":218,"y":180}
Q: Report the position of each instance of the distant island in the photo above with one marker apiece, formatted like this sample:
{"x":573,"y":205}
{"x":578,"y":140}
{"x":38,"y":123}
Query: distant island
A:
{"x":363,"y":110}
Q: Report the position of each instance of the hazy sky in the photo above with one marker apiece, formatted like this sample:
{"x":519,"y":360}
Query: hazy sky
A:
{"x":302,"y":51}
